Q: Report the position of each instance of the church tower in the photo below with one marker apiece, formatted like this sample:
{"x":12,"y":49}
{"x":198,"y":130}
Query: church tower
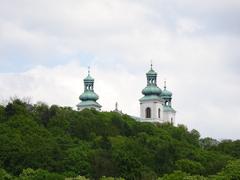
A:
{"x":151,"y":105}
{"x":169,"y":112}
{"x":156,"y":105}
{"x":89,"y":97}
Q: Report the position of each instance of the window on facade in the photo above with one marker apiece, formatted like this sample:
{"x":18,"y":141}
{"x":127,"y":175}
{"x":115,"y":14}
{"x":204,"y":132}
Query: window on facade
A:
{"x":148,"y":113}
{"x":171,"y":120}
{"x":159,"y":112}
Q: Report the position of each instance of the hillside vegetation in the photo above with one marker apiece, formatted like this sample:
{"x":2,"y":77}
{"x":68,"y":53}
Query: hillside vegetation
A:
{"x":41,"y":142}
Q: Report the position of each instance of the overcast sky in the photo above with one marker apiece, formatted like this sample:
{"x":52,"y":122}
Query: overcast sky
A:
{"x":46,"y":47}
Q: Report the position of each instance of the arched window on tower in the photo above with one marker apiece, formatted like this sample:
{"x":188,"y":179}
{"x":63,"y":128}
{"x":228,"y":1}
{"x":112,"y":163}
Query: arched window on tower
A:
{"x":148,"y":112}
{"x":159,"y":113}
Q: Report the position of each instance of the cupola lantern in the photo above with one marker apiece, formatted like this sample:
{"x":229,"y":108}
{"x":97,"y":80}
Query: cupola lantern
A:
{"x":89,"y":97}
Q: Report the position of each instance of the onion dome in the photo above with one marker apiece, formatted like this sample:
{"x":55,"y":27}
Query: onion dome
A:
{"x":89,"y":96}
{"x":165,"y":93}
{"x":151,"y":90}
{"x":151,"y":72}
{"x":88,"y":78}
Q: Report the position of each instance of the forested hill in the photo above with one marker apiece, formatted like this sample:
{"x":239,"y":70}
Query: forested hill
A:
{"x":41,"y":142}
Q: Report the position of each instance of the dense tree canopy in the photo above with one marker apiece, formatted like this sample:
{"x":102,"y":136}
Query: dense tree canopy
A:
{"x":42,"y":142}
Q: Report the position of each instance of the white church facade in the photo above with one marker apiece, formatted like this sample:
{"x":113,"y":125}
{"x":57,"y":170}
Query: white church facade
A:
{"x":155,"y":105}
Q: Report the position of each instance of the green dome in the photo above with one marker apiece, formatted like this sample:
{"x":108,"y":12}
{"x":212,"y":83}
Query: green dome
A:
{"x":88,"y":78}
{"x":151,"y":72}
{"x":166,"y":93}
{"x":89,"y":95}
{"x":151,"y":90}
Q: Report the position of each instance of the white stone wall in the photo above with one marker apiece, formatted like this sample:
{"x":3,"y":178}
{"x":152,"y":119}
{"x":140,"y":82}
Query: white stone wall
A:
{"x":169,"y":117}
{"x":172,"y":117}
{"x":154,"y":106}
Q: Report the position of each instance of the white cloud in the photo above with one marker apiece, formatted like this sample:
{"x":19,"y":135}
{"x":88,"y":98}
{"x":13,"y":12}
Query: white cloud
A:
{"x":118,"y":39}
{"x":186,"y":25}
{"x":63,"y":84}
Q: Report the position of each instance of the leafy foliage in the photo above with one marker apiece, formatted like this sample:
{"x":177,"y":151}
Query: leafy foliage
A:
{"x":42,"y":142}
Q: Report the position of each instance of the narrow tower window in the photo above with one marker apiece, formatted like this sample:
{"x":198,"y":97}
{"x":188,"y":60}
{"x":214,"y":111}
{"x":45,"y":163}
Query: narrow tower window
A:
{"x":159,"y":113}
{"x":148,"y":113}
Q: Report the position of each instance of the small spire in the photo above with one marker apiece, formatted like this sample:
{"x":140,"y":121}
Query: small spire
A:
{"x":88,"y":70}
{"x":165,"y":84}
{"x":151,"y":64}
{"x":116,"y":106}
